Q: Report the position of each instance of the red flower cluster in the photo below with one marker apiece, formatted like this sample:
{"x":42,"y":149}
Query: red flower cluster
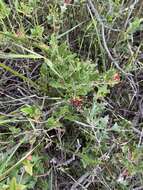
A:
{"x":116,"y":77}
{"x":77,"y":102}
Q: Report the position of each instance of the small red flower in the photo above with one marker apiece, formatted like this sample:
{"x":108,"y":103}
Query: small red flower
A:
{"x":116,"y":77}
{"x":29,"y":157}
{"x":125,"y":173}
{"x":77,"y":102}
{"x":19,"y":33}
{"x":67,"y":1}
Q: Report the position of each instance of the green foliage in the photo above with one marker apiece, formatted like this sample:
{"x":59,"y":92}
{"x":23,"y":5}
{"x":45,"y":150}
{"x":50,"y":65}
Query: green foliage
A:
{"x":52,"y":123}
{"x":15,"y":186}
{"x":37,"y":31}
{"x":67,"y":105}
{"x":134,"y":26}
{"x":89,"y":158}
{"x":77,"y":77}
{"x":31,"y":111}
{"x":4,"y":10}
{"x":26,"y":8}
{"x":28,"y":167}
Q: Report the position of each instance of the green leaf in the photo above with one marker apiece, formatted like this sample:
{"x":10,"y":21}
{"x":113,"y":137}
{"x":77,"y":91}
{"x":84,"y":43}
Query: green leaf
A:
{"x":53,"y":123}
{"x":28,"y":167}
{"x":14,"y":129}
{"x":116,"y":127}
{"x":31,"y":111}
{"x":102,"y":91}
{"x":134,"y":26}
{"x":14,"y":186}
{"x":37,"y":31}
{"x":89,"y":159}
{"x":28,"y":110}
